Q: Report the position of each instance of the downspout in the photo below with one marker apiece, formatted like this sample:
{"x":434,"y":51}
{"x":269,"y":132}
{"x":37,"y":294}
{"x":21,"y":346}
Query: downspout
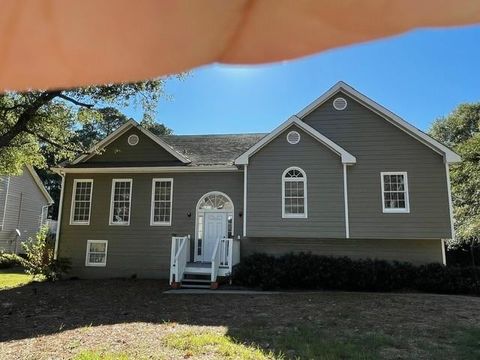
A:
{"x":345,"y":199}
{"x":5,"y":205}
{"x":19,"y":216}
{"x":245,"y":178}
{"x":59,"y":219}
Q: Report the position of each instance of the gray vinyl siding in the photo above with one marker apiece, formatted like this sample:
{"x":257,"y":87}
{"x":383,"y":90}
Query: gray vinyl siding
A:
{"x":140,"y":249}
{"x":24,"y":209}
{"x":324,"y":171}
{"x":380,"y":146}
{"x":146,"y":150}
{"x":416,"y":251}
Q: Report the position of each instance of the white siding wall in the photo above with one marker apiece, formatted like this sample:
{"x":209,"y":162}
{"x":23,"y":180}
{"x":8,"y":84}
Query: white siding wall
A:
{"x":23,"y":210}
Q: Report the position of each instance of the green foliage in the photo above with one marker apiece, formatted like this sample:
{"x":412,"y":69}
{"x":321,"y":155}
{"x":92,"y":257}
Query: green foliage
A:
{"x":308,"y":271}
{"x":461,"y":131}
{"x":40,"y":257}
{"x":8,"y":260}
{"x":43,"y":128}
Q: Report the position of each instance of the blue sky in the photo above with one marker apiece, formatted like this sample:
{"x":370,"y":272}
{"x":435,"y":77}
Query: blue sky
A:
{"x":420,"y":76}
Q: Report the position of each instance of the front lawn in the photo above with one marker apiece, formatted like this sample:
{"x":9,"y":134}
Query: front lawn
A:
{"x":134,"y":319}
{"x":13,"y":277}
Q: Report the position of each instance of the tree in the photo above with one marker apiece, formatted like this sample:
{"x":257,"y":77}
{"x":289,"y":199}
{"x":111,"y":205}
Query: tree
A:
{"x":37,"y":123}
{"x":461,"y":131}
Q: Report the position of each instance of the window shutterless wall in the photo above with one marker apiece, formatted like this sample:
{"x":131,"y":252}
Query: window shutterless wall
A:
{"x":140,"y":248}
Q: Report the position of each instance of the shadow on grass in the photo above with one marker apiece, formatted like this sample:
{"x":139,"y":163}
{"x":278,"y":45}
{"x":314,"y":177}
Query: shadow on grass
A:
{"x":305,"y":326}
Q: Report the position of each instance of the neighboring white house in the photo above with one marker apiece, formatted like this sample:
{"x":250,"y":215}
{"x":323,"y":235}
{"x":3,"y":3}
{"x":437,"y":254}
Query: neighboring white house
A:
{"x":24,"y":203}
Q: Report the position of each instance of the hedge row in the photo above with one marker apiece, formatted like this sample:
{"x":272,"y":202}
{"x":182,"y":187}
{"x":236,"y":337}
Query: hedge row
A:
{"x":308,"y":271}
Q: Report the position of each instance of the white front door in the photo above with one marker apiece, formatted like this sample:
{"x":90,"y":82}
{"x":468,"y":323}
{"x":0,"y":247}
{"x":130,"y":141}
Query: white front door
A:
{"x":215,"y":228}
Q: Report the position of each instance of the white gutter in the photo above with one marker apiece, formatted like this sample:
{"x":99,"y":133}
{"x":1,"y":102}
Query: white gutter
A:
{"x":143,"y":169}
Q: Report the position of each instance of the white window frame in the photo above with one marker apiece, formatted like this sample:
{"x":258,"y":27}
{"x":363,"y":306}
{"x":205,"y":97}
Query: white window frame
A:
{"x":404,"y":210}
{"x":152,"y":204}
{"x":87,"y":254}
{"x":72,"y":205}
{"x":112,"y":194}
{"x":305,"y":197}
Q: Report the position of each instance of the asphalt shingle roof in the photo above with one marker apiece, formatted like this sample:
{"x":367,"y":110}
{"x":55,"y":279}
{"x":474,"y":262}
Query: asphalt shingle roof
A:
{"x":212,"y":149}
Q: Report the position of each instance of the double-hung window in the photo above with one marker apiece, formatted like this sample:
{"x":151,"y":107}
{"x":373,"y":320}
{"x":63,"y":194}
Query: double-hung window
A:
{"x":81,"y":202}
{"x":395,"y":192}
{"x":121,"y":201}
{"x":96,"y":253}
{"x":294,"y":193}
{"x":162,"y":197}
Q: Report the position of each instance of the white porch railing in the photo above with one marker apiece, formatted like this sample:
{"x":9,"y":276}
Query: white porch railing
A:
{"x":226,"y":254}
{"x":178,"y":257}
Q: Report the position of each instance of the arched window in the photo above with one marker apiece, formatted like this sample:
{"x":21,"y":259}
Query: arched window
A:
{"x":294,"y":193}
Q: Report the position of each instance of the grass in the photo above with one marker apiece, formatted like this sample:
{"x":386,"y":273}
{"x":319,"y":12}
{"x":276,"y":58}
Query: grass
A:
{"x":213,"y":344}
{"x":14,"y":277}
{"x":98,"y":355}
{"x":134,"y":319}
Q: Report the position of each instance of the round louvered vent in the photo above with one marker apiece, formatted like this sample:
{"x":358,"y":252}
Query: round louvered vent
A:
{"x":293,"y":137}
{"x":340,"y":103}
{"x":133,"y":140}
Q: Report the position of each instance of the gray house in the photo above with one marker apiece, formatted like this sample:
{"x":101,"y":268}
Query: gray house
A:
{"x":24,"y":203}
{"x":342,"y":177}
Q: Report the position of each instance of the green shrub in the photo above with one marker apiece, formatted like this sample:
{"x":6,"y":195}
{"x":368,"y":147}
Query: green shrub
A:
{"x":40,"y":260}
{"x":8,"y":260}
{"x":308,"y":271}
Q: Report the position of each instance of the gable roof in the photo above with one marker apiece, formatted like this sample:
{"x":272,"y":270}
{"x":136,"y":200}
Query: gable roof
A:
{"x":346,"y":157}
{"x":449,"y":155}
{"x":120,"y":131}
{"x":212,"y":149}
{"x":40,"y":185}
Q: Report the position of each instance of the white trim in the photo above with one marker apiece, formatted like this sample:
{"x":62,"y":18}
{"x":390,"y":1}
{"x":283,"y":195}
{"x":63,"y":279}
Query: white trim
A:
{"x":127,"y":223}
{"x":293,"y":132}
{"x":133,"y":140}
{"x":146,"y":169}
{"x":195,"y":252}
{"x":444,"y":255}
{"x":245,"y":187}
{"x":59,"y":219}
{"x":450,"y":204}
{"x":40,"y":185}
{"x":450,"y":156}
{"x":87,"y":257}
{"x":120,"y":131}
{"x":72,"y":205}
{"x":5,"y":205}
{"x":305,"y":203}
{"x":345,"y":197}
{"x":344,"y":105}
{"x":404,"y":210}
{"x":346,"y":157}
{"x":152,"y":206}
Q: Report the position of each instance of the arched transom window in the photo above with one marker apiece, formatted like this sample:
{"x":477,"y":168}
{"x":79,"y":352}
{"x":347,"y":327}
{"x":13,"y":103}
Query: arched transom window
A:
{"x":215,"y":201}
{"x":294,"y":193}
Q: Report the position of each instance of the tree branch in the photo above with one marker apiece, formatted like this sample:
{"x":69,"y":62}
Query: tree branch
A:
{"x":27,"y":116}
{"x":53,"y":143}
{"x":76,"y":102}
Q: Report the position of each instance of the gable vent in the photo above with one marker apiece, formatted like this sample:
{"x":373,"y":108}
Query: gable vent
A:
{"x":293,"y":137}
{"x":133,"y":140}
{"x":340,"y":103}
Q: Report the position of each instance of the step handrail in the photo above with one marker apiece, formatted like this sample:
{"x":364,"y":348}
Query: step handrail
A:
{"x":178,"y":258}
{"x":215,"y":261}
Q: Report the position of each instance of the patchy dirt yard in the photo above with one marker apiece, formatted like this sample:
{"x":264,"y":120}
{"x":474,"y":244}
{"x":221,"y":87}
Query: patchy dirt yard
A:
{"x":134,"y":319}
